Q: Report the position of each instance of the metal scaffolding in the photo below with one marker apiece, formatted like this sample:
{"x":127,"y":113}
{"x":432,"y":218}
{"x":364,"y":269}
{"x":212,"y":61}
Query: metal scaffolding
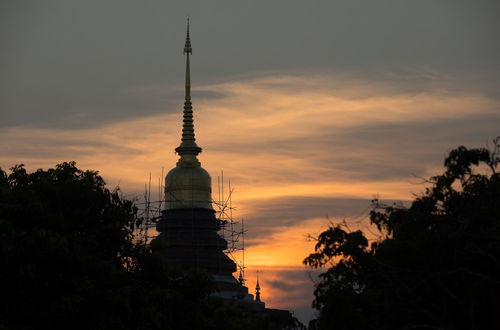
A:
{"x":150,"y":208}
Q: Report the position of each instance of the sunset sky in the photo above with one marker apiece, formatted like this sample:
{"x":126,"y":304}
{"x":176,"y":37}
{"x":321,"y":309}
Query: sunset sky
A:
{"x":311,"y":108}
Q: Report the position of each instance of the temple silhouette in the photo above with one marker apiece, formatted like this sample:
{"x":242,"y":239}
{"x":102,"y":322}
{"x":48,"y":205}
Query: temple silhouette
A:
{"x":188,"y":227}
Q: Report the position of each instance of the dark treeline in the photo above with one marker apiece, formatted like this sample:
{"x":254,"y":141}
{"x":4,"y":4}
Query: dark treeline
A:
{"x":69,"y":260}
{"x":436,"y":264}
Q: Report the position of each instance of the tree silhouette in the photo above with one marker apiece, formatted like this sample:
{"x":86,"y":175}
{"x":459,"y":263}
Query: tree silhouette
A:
{"x":437,"y":265}
{"x":69,"y":260}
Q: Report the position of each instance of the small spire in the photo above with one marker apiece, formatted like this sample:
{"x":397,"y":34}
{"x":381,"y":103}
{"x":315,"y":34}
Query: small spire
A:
{"x":257,"y":289}
{"x":188,"y":142}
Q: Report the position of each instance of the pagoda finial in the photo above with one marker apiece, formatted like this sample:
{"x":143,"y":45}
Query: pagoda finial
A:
{"x":257,"y":289}
{"x":187,"y":46}
{"x":188,"y":145}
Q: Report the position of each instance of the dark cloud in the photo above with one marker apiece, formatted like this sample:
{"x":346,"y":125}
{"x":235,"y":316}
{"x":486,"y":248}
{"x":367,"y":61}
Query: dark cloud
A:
{"x":269,"y":216}
{"x":385,"y":151}
{"x":67,"y":59}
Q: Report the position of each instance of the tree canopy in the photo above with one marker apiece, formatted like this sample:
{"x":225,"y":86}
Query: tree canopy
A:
{"x":69,"y":260}
{"x":436,"y":264}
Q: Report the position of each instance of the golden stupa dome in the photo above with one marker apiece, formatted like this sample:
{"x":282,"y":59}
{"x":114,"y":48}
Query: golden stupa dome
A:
{"x":188,"y":186}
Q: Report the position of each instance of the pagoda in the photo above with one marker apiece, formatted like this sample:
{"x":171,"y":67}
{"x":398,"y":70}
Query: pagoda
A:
{"x":188,"y":228}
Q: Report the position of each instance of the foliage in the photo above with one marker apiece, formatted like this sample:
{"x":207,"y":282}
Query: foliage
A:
{"x":436,"y":265}
{"x":69,"y":259}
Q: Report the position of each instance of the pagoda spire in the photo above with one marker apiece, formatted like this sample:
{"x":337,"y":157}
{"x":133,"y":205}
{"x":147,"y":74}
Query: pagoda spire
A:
{"x":257,"y":289}
{"x":188,"y":144}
